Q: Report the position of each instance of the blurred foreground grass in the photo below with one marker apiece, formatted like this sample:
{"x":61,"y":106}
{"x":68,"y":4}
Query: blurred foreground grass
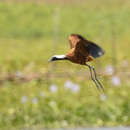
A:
{"x":69,"y":99}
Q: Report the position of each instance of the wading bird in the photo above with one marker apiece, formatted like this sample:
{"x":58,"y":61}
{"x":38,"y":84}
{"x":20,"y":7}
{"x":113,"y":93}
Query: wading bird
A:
{"x":82,"y":51}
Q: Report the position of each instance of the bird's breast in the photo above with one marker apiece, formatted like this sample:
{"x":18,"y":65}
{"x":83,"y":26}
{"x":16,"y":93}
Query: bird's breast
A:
{"x":79,"y":58}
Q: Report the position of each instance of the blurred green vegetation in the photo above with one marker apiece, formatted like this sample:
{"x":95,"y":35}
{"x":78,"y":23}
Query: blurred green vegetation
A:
{"x":27,"y":40}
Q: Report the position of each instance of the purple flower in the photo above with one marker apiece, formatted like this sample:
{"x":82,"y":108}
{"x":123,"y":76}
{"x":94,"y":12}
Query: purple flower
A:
{"x":24,"y":99}
{"x":53,"y":88}
{"x":75,"y":88}
{"x":34,"y":100}
{"x":116,"y":80}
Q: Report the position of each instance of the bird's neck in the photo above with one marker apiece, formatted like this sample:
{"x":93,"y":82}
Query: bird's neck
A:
{"x":60,"y":57}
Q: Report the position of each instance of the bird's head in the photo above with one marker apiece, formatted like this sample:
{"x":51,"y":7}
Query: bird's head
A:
{"x":53,"y":58}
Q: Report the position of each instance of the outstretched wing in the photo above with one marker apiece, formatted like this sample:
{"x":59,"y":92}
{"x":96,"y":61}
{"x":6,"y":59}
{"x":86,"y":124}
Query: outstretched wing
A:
{"x":72,"y":43}
{"x":94,"y":50}
{"x":73,"y":40}
{"x":84,"y":46}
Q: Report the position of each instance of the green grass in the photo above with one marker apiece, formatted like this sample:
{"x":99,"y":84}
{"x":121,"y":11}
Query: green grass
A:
{"x":26,"y":43}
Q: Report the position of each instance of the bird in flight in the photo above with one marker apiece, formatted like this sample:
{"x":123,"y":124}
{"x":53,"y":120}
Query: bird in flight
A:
{"x":82,"y":51}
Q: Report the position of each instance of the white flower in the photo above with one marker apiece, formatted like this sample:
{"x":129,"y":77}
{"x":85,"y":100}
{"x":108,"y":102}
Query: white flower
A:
{"x":52,"y":103}
{"x":24,"y":99}
{"x":103,"y":97}
{"x":34,"y":100}
{"x":42,"y":94}
{"x":19,"y":74}
{"x":124,"y":63}
{"x":116,"y":80}
{"x":109,"y":70}
{"x":68,"y":84}
{"x":53,"y":88}
{"x":64,"y":123}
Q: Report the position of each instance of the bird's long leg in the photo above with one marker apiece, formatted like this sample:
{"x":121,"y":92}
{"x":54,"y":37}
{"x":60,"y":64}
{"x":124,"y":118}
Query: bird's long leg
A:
{"x":95,"y":79}
{"x":90,"y":68}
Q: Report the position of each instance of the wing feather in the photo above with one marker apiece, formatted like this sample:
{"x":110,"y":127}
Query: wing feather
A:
{"x":94,"y":50}
{"x":73,"y":40}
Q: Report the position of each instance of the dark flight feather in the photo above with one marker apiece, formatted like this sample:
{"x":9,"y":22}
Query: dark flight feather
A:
{"x":94,"y":50}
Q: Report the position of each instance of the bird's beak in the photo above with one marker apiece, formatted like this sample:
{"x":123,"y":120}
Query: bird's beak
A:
{"x":50,"y":60}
